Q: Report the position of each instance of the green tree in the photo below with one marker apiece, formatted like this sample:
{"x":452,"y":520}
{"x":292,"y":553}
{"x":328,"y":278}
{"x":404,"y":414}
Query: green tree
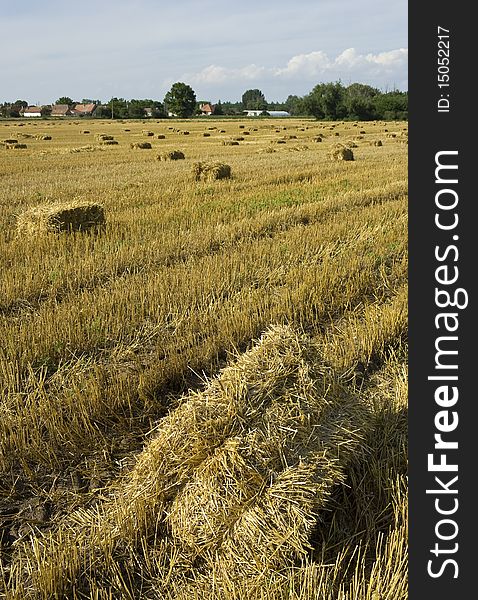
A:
{"x":295,"y":105}
{"x":181,"y":100}
{"x":64,"y":100}
{"x":392,"y":105}
{"x":254,"y":100}
{"x":359,"y":101}
{"x":325,"y":101}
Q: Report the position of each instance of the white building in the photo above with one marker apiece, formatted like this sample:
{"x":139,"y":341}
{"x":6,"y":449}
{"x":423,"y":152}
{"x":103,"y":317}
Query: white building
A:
{"x":270,"y":113}
{"x":32,"y":111}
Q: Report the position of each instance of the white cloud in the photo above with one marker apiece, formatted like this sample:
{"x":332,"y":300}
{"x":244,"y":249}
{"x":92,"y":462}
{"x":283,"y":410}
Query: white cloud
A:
{"x":383,"y":68}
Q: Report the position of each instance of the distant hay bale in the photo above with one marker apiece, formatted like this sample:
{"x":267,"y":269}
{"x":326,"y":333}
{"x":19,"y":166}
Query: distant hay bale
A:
{"x":148,"y":133}
{"x":280,"y":141}
{"x":43,"y":137}
{"x":336,"y":133}
{"x":10,"y":141}
{"x":242,"y":126}
{"x":211,"y":171}
{"x":362,"y":131}
{"x":108,"y":142}
{"x":341,"y":152}
{"x":103,"y":137}
{"x":300,"y":148}
{"x":140,"y":145}
{"x":230,"y":143}
{"x":205,"y":134}
{"x":85,"y":131}
{"x":184,"y":132}
{"x":127,"y":130}
{"x":318,"y":139}
{"x":246,"y":133}
{"x":291,"y":137}
{"x":222,"y":131}
{"x":65,"y":217}
{"x":391,"y":135}
{"x":238,"y":138}
{"x":172,"y":155}
{"x":16,"y":146}
{"x":377,"y":143}
{"x":351,"y":144}
{"x":161,"y":136}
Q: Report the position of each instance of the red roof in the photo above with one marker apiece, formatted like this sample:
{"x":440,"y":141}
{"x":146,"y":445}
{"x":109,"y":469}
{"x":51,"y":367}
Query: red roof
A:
{"x":84,"y":109}
{"x":207,"y":107}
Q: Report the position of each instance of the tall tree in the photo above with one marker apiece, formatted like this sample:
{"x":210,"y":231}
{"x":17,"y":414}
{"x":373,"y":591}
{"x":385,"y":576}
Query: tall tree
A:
{"x":181,"y":100}
{"x":358,"y":100}
{"x":325,"y":101}
{"x":254,"y":100}
{"x":64,"y":100}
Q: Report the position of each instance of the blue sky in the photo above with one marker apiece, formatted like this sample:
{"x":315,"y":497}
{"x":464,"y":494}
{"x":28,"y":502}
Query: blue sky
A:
{"x":138,"y":48}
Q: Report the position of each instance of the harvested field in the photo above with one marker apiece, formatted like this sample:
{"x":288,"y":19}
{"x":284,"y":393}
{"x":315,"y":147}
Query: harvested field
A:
{"x":209,"y":399}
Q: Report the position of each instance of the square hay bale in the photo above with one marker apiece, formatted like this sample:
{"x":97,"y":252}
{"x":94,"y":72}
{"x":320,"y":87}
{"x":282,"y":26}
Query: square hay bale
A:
{"x":109,"y":142}
{"x":103,"y":137}
{"x":141,"y":146}
{"x":211,"y":171}
{"x":10,"y":141}
{"x":341,"y":152}
{"x":230,"y":143}
{"x":252,"y":499}
{"x":64,"y":217}
{"x":15,"y":146}
{"x":172,"y":155}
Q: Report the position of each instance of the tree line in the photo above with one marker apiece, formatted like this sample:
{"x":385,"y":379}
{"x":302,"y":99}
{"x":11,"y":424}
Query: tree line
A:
{"x":328,"y":101}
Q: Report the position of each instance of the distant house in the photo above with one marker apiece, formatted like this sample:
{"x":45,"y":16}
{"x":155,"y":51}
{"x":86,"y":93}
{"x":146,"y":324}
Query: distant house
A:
{"x":33,"y":111}
{"x":83,"y":110}
{"x":148,"y":111}
{"x":270,"y":113}
{"x":60,"y":110}
{"x":207,"y":108}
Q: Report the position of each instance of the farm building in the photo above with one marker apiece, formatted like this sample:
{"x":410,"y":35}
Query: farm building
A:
{"x":83,"y":110}
{"x":60,"y":110}
{"x":207,"y":108}
{"x":33,"y":111}
{"x":270,"y":113}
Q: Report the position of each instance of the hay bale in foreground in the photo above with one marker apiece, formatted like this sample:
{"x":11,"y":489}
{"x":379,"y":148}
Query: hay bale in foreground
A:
{"x":66,"y":217}
{"x":172,"y":155}
{"x":211,"y":171}
{"x":252,"y":501}
{"x":141,"y":146}
{"x":340,"y":152}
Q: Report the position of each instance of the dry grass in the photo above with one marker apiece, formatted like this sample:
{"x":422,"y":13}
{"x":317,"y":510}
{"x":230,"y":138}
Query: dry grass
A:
{"x":209,"y":399}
